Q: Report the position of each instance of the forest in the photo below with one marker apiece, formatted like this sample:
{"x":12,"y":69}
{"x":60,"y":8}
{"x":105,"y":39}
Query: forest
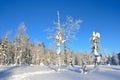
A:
{"x":22,"y":51}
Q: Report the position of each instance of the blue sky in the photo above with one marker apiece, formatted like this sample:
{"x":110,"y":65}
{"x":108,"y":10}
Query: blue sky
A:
{"x":97,"y":15}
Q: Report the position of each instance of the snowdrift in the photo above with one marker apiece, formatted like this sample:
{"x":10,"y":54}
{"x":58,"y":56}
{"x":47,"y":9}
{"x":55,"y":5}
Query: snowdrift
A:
{"x":37,"y":72}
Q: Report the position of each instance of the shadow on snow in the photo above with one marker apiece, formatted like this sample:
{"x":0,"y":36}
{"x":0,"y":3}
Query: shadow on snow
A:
{"x":7,"y":72}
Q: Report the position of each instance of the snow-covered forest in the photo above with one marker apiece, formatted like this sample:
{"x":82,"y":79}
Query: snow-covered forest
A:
{"x":20,"y":59}
{"x":22,"y":51}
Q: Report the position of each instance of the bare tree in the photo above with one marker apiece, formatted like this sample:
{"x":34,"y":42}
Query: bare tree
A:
{"x":64,"y":32}
{"x":69,"y":29}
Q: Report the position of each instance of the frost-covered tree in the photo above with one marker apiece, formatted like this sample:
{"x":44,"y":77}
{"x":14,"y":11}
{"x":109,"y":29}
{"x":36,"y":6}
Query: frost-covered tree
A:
{"x":27,"y":54}
{"x":4,"y":50}
{"x":64,"y":33}
{"x":115,"y":59}
{"x":38,"y":53}
{"x":88,"y":59}
{"x":69,"y":29}
{"x":78,"y":58}
{"x":53,"y":56}
{"x":107,"y":58}
{"x":0,"y":51}
{"x":85,"y":57}
{"x":95,"y":40}
{"x":72,"y":59}
{"x":22,"y":46}
{"x":119,"y":57}
{"x":11,"y":54}
{"x":43,"y":53}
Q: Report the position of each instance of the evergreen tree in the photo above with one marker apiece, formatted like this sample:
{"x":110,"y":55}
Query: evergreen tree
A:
{"x":115,"y":59}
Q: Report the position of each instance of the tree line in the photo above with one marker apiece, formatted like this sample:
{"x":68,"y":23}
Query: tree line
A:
{"x":22,"y":51}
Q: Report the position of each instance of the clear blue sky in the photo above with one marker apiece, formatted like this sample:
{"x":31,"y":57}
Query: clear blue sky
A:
{"x":97,"y":15}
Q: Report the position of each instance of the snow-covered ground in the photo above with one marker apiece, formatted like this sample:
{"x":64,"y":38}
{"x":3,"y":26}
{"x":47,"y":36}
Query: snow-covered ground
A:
{"x":36,"y":72}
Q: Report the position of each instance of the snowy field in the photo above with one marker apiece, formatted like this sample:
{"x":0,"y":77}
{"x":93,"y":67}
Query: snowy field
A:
{"x":67,"y":73}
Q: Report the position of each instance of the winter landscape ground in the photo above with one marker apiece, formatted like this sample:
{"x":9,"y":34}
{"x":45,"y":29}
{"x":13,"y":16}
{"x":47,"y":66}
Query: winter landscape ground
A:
{"x":37,"y":72}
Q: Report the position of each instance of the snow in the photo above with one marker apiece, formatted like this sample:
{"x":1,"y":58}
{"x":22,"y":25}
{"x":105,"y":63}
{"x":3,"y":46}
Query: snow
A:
{"x":37,"y":72}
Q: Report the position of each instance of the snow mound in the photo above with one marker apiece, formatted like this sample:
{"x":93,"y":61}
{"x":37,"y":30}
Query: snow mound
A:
{"x":21,"y":72}
{"x":24,"y":75}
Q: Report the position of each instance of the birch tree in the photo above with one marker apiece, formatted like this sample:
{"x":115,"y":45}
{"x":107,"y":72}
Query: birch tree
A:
{"x":69,"y":29}
{"x":64,"y":32}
